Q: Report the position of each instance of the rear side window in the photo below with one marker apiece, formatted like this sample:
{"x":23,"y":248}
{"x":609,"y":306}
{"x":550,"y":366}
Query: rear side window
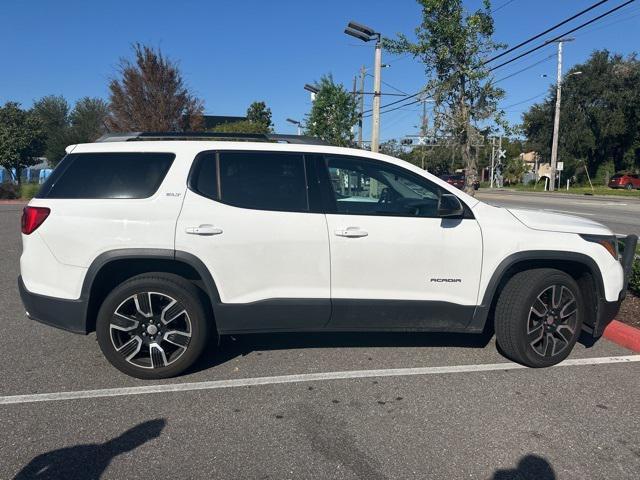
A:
{"x":107,"y":175}
{"x":204,"y":175}
{"x":263,"y":180}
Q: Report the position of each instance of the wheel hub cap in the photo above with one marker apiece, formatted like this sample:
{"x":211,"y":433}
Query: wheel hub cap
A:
{"x":152,"y":329}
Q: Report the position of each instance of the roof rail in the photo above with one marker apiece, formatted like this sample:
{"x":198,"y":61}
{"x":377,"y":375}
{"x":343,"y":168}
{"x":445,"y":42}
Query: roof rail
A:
{"x":227,"y":136}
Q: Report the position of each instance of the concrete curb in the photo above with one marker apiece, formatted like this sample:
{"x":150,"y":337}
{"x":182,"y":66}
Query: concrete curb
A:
{"x":14,"y":202}
{"x":624,"y":335}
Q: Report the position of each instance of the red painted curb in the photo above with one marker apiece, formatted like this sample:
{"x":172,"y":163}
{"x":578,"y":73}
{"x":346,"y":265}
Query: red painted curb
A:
{"x":624,"y":335}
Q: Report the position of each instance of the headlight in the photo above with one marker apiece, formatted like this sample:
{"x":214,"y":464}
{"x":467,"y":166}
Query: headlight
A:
{"x":610,"y":243}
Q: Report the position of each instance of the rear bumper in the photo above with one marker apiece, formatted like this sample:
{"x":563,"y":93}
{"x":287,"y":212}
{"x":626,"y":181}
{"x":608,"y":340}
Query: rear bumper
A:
{"x":68,"y":315}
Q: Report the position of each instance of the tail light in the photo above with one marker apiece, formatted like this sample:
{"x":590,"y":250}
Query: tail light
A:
{"x":33,"y":217}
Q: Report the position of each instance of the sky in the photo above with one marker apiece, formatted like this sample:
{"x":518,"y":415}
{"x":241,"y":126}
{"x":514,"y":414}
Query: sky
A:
{"x":232,"y":53}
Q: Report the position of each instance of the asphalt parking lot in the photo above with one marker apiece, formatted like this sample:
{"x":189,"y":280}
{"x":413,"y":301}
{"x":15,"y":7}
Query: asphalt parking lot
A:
{"x":620,"y":214}
{"x":454,"y":408}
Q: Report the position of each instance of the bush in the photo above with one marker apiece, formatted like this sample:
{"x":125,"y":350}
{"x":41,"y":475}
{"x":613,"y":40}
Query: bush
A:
{"x":28,"y":190}
{"x":9,"y":191}
{"x":634,"y":281}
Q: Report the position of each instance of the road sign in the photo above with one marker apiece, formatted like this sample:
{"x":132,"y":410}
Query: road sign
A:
{"x":502,"y":154}
{"x":560,"y":166}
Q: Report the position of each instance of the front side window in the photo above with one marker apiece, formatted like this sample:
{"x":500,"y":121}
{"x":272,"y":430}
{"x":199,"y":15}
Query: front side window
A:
{"x":107,"y":175}
{"x":263,"y":180}
{"x":366,"y":187}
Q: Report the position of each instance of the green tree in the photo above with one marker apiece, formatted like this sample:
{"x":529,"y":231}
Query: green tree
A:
{"x":599,"y":118}
{"x":89,"y":119}
{"x":514,"y":169}
{"x":151,"y":95}
{"x":53,"y":112}
{"x":258,"y":113}
{"x":242,"y":126}
{"x":392,"y":148}
{"x":22,"y":138}
{"x":453,"y":45}
{"x":333,"y":113}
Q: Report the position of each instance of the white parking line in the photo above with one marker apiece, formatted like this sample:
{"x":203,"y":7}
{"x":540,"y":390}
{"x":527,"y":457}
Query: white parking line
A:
{"x":306,"y":377}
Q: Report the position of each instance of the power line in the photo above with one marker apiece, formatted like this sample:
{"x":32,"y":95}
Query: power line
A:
{"x":388,"y":85}
{"x":535,"y":37}
{"x":524,"y":101}
{"x":398,"y":107}
{"x":528,"y":52}
{"x":397,"y":101}
{"x":575,"y":29}
{"x":526,"y":68}
{"x":508,"y":2}
{"x":621,"y":17}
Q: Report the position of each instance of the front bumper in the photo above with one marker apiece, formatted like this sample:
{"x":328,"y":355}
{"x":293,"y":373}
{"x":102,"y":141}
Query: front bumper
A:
{"x":606,"y":311}
{"x":68,"y":315}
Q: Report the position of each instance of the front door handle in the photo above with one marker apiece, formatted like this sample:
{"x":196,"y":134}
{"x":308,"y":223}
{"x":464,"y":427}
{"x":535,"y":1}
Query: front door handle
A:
{"x":351,"y":232}
{"x":203,"y":230}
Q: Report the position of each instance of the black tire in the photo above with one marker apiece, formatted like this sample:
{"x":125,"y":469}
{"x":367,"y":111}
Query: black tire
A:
{"x":519,"y":318}
{"x":124,"y":318}
{"x":628,"y":186}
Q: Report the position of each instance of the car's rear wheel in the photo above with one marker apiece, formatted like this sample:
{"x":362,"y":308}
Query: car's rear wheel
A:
{"x":538,"y":317}
{"x":152,"y":326}
{"x":629,"y":186}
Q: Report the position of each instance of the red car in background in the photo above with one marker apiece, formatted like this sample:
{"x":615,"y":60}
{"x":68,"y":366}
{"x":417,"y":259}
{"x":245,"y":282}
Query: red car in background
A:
{"x":625,"y":180}
{"x":458,"y":181}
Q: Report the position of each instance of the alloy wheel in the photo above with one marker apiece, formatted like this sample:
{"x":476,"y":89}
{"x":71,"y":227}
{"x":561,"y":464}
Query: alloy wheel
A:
{"x":553,"y":320}
{"x":150,"y":330}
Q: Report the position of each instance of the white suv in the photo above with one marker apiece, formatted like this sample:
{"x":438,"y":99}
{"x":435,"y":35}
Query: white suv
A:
{"x":162,"y":244}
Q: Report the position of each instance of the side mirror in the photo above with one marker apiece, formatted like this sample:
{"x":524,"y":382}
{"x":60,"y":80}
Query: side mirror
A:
{"x":449,"y":206}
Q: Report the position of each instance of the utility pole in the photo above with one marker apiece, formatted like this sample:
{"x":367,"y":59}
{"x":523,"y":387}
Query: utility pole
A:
{"x":363,"y":73}
{"x":556,"y":120}
{"x":375,"y":127}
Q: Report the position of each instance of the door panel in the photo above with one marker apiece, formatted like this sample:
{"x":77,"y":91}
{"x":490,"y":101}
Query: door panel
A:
{"x":387,"y":247}
{"x":259,"y":259}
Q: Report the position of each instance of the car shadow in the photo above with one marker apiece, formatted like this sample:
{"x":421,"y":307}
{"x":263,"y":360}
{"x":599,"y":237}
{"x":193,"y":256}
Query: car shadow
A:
{"x":240,"y":345}
{"x":89,"y":461}
{"x":530,"y":467}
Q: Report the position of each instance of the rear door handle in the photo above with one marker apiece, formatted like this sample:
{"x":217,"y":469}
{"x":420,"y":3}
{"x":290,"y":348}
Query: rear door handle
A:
{"x":204,"y":230}
{"x":351,"y":232}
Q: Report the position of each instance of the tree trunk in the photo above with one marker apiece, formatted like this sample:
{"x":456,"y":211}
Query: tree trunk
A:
{"x":471,"y":167}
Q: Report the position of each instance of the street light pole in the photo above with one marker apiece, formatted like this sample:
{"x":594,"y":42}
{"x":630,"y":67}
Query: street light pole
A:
{"x":375,"y":127}
{"x":297,"y":124}
{"x":366,"y":34}
{"x":556,"y":119}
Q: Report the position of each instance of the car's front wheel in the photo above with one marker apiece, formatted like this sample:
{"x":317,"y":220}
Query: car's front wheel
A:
{"x":629,"y":186}
{"x":152,"y":326}
{"x":538,"y":317}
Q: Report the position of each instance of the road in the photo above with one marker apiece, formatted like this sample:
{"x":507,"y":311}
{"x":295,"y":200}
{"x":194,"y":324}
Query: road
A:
{"x":455,"y":409}
{"x":621,"y":214}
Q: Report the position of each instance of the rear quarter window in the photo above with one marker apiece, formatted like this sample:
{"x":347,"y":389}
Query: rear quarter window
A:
{"x":107,"y":175}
